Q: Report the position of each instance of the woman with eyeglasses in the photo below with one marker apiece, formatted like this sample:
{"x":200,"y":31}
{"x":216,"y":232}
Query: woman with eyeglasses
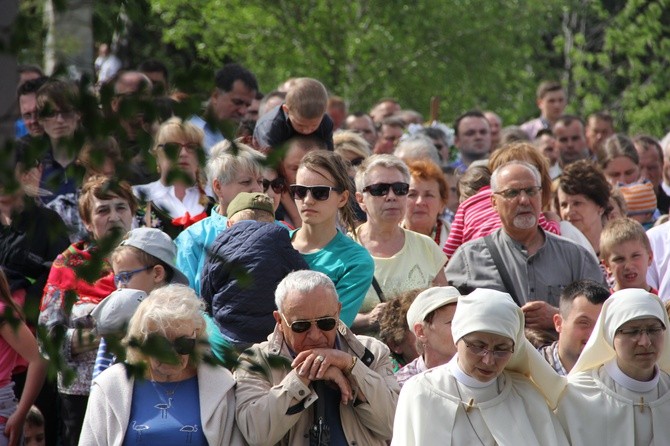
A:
{"x":178,"y":198}
{"x":619,"y":390}
{"x":321,"y":194}
{"x":79,"y":279}
{"x":173,"y":396}
{"x":496,"y":390}
{"x":404,"y":260}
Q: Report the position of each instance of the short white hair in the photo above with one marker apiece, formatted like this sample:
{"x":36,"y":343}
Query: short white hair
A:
{"x":497,"y":172}
{"x":385,"y":160}
{"x":417,"y":147}
{"x":302,"y":281}
{"x":226,"y":161}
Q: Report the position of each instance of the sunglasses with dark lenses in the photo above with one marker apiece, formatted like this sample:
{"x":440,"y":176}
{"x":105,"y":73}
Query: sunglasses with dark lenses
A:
{"x":278,"y":185}
{"x":173,"y":148}
{"x":51,"y":114}
{"x":357,"y":161}
{"x":381,"y":189}
{"x":323,"y":324}
{"x":319,"y":193}
{"x":183,"y":345}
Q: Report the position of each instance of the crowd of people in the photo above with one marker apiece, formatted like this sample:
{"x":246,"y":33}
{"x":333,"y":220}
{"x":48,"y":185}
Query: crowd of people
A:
{"x":271,"y":269}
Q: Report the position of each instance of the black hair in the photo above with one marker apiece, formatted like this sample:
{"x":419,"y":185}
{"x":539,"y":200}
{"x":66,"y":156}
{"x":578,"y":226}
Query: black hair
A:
{"x":226,"y":77}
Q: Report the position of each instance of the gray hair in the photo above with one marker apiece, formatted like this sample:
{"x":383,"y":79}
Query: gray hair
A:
{"x":497,"y":172}
{"x":387,"y":161}
{"x":302,"y":281}
{"x":417,"y":147}
{"x":166,"y":308}
{"x":225,"y":161}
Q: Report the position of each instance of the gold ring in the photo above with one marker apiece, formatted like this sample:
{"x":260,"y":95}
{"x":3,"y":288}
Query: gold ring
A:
{"x":320,"y":358}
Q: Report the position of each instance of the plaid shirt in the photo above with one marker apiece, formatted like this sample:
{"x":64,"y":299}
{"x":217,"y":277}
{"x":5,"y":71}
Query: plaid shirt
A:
{"x":412,"y":368}
{"x":550,"y":353}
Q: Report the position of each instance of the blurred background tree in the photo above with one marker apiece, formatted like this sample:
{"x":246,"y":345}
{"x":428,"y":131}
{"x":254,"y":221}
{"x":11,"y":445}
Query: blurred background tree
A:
{"x":611,"y":54}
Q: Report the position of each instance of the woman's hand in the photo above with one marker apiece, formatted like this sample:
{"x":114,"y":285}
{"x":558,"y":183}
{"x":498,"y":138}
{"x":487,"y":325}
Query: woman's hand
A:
{"x":367,"y":322}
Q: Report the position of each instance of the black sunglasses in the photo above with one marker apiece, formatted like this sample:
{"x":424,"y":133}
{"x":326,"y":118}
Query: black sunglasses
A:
{"x":319,"y":193}
{"x":379,"y":189}
{"x":183,"y":345}
{"x":173,"y":148}
{"x":278,"y":185}
{"x":324,"y":324}
{"x":357,"y":161}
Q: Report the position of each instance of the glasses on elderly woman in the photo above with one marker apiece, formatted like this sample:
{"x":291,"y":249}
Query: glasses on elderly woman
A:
{"x":481,"y":351}
{"x":278,"y":185}
{"x":182,"y":345}
{"x":173,"y":148}
{"x":382,"y":189}
{"x":635,"y":333}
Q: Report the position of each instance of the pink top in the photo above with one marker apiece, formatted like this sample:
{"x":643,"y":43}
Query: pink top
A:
{"x":476,"y":218}
{"x":8,"y":357}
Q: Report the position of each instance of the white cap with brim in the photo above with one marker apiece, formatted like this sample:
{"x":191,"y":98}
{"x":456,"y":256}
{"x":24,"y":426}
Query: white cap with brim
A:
{"x":157,"y":243}
{"x":113,"y":313}
{"x":430,"y":300}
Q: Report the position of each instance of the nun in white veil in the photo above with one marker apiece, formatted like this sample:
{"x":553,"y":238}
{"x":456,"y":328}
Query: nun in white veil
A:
{"x":496,"y":390}
{"x":619,"y":390}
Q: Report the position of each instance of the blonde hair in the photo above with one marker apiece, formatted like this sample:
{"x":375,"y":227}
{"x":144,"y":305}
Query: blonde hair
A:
{"x":620,"y":231}
{"x":307,"y":98}
{"x":228,"y":158}
{"x":348,"y":141}
{"x":166,"y":308}
{"x":176,"y":129}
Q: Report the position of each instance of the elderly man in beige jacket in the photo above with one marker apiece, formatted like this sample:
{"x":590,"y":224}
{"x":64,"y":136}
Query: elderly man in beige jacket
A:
{"x":313,"y":378}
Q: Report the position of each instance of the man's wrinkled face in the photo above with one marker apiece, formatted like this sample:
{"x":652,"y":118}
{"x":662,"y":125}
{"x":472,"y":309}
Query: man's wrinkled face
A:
{"x":317,"y":304}
{"x":517,"y":198}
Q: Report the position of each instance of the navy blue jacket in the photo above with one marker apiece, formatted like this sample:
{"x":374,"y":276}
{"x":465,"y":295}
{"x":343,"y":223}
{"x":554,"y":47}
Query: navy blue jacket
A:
{"x":274,"y":129}
{"x":243,"y":268}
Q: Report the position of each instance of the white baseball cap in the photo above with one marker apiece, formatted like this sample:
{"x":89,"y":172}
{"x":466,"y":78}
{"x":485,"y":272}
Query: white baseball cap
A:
{"x":430,"y":300}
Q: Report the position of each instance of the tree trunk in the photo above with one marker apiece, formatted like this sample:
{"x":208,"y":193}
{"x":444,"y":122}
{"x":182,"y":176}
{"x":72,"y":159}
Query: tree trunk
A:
{"x":69,"y":44}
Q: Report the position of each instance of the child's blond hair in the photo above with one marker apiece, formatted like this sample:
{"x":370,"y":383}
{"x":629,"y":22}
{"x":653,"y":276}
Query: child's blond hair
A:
{"x":619,"y":231}
{"x":307,"y":98}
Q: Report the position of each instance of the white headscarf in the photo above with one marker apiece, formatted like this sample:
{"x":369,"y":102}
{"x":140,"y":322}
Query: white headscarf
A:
{"x":495,"y":312}
{"x":621,"y":307}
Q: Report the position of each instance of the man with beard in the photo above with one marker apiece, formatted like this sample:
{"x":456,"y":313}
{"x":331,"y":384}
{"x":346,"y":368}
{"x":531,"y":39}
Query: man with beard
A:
{"x":521,"y":258}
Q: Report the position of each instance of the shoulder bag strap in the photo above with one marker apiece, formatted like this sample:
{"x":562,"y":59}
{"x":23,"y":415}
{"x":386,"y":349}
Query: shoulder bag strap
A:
{"x":504,"y":275}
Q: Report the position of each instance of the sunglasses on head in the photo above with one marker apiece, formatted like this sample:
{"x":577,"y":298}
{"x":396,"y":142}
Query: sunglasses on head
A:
{"x":278,"y":185}
{"x":319,"y":193}
{"x":381,"y":189}
{"x":324,"y":324}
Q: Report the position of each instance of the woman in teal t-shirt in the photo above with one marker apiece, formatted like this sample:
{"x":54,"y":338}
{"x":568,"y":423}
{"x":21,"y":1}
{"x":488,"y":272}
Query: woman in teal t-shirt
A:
{"x":321,"y":193}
